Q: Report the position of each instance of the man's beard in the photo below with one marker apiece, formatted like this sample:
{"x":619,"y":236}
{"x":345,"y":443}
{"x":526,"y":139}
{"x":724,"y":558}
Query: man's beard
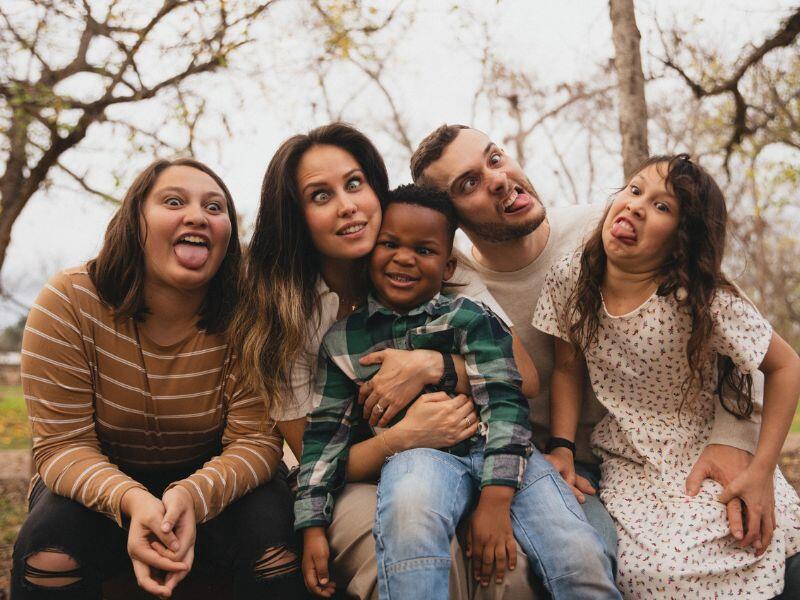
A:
{"x":503,"y":232}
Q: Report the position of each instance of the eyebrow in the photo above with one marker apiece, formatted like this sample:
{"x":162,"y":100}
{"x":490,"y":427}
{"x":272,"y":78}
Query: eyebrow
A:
{"x":452,"y":186}
{"x":344,"y":177}
{"x":177,"y":188}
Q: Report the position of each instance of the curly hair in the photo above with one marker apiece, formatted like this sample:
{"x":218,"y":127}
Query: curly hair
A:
{"x":695,"y":265}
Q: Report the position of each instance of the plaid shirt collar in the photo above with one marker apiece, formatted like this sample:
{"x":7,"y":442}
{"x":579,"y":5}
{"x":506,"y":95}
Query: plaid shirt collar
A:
{"x":436,"y":306}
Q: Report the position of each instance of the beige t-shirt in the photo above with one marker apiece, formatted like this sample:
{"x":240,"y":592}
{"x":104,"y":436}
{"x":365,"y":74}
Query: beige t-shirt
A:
{"x":518,"y":292}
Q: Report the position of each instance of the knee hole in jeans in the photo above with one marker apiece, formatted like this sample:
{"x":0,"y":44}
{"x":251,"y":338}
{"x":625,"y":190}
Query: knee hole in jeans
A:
{"x":276,"y":562}
{"x":52,"y":568}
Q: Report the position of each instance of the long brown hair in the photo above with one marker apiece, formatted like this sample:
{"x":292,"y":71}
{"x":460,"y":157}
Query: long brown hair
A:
{"x":118,"y":271}
{"x":695,"y":266}
{"x":278,"y":294}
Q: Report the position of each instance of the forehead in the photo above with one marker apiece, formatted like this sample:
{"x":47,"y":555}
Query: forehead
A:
{"x":465,"y":152}
{"x":654,"y":175}
{"x":323,"y":160}
{"x":414,"y":222}
{"x":188,"y":178}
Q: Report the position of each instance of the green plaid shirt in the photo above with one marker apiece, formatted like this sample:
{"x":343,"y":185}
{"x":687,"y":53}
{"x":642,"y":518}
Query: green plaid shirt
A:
{"x":456,"y":325}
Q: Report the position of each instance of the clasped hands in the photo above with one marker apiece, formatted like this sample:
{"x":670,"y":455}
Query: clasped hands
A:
{"x":161,"y":538}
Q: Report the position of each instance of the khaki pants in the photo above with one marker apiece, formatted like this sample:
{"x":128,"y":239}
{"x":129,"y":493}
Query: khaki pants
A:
{"x":353,"y":551}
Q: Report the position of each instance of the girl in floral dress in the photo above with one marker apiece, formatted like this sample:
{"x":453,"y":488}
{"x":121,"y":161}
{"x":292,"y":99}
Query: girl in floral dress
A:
{"x":662,"y":332}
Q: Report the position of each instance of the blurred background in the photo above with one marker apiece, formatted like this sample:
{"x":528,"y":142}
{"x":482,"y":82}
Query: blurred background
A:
{"x":93,"y":90}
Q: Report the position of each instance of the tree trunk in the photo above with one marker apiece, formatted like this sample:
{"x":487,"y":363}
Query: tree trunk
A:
{"x":632,"y":104}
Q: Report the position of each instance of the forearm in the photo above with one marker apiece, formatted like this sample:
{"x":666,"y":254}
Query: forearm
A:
{"x":780,"y":403}
{"x":566,"y":390}
{"x":292,"y":432}
{"x":527,"y":370}
{"x":366,"y":458}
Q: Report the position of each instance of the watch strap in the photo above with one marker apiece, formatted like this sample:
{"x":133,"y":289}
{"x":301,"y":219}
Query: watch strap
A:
{"x":557,"y":442}
{"x":449,"y":378}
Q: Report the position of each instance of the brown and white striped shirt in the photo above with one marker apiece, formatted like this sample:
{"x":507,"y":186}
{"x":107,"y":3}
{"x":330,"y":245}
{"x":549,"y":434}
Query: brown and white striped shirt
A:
{"x":103,"y":398}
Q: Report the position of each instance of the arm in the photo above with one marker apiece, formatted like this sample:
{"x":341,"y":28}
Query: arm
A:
{"x":434,"y":421}
{"x":781,"y":368}
{"x":252,"y":451}
{"x":59,"y":393}
{"x":326,"y":445}
{"x":525,"y":366}
{"x":292,"y":432}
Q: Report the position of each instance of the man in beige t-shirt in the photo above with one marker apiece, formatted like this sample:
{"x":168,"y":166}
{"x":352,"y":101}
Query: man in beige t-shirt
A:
{"x":510,"y":242}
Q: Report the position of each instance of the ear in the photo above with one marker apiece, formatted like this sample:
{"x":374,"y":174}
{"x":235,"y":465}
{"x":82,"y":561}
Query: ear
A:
{"x":449,"y":268}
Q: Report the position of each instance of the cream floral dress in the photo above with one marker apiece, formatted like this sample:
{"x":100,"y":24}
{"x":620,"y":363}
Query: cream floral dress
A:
{"x":670,"y":545}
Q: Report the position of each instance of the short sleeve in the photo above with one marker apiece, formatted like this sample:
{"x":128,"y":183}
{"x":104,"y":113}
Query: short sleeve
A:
{"x":466,"y":282}
{"x":740,"y":332}
{"x":550,"y":314}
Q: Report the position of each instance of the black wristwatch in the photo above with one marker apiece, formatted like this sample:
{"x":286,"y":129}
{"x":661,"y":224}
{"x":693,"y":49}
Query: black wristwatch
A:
{"x":557,"y":442}
{"x":449,"y":379}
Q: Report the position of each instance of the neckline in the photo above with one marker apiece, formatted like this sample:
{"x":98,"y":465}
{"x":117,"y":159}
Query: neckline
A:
{"x":630,"y":313}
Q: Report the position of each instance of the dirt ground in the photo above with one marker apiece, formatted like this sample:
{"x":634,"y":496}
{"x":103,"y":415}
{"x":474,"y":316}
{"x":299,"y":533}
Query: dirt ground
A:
{"x":15,"y":472}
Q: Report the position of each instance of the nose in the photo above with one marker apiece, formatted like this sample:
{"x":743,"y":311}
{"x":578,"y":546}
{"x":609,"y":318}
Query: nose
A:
{"x":347,"y":206}
{"x":403,"y":256}
{"x":497,"y":182}
{"x":636,"y":206}
{"x":195,"y":215}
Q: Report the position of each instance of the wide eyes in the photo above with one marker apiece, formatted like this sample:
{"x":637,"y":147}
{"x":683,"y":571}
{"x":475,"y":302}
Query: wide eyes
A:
{"x":495,"y":159}
{"x":353,"y":184}
{"x":320,"y":197}
{"x":213,"y":206}
{"x":173,"y":201}
{"x":635,"y":189}
{"x":662,"y":207}
{"x":469,"y":184}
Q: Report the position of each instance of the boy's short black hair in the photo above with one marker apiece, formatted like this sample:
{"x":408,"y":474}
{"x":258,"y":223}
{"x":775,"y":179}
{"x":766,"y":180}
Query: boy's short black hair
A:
{"x":427,"y":197}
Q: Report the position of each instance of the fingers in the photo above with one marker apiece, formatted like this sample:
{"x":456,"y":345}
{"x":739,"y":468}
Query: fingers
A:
{"x":578,"y":494}
{"x":373,"y":358}
{"x":146,"y":581}
{"x":487,"y":564}
{"x":477,"y":557}
{"x":511,"y":550}
{"x":388,"y":414}
{"x":315,"y":574}
{"x":321,"y":568}
{"x":767,"y":528}
{"x":583,"y":485}
{"x":363,"y":393}
{"x":469,"y":540}
{"x":734,"y":510}
{"x":752,"y":536}
{"x":695,"y":479}
{"x":145,"y":554}
{"x":500,"y":561}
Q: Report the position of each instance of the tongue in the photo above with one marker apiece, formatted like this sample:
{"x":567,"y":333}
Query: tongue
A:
{"x":190,"y":256}
{"x":518,"y":203}
{"x":622,"y":232}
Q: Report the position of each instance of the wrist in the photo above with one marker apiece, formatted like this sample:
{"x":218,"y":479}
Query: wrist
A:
{"x":401,"y":440}
{"x":310,"y":533}
{"x":497,"y":495}
{"x":434,"y":361}
{"x":133,"y":498}
{"x":563,"y":454}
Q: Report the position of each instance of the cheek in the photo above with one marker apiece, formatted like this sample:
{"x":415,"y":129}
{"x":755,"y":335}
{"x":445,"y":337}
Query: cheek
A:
{"x":318,"y":222}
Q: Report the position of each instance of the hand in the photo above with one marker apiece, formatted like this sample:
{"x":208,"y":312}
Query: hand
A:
{"x":179,"y":518}
{"x":315,"y":562}
{"x":400,"y":379}
{"x":754,"y":486}
{"x":723,"y":464}
{"x":563,"y":462}
{"x":436,"y":421}
{"x":146,"y":513}
{"x":490,"y":538}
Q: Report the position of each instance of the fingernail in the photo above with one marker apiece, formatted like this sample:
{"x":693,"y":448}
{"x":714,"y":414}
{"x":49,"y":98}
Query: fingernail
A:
{"x":324,"y":580}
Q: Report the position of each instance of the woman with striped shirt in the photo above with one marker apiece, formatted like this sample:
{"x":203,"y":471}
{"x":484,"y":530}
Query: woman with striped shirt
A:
{"x":140,"y":416}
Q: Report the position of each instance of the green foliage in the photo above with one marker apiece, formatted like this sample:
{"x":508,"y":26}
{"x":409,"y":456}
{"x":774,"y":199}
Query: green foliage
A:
{"x":14,"y":431}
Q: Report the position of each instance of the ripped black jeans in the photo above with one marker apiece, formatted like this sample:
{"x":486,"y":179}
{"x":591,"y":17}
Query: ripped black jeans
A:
{"x":252,"y":539}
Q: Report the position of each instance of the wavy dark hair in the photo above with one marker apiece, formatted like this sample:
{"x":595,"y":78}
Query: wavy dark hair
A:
{"x":695,"y":266}
{"x":282,"y":266}
{"x":118,"y":271}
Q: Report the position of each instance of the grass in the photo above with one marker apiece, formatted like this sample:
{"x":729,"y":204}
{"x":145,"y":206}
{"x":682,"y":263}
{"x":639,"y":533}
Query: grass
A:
{"x":14,"y":431}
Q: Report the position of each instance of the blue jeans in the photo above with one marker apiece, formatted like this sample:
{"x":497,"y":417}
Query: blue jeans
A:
{"x":424,"y":493}
{"x":596,"y":512}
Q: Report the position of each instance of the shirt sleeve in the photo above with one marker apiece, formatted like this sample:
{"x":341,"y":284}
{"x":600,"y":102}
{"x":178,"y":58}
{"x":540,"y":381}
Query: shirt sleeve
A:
{"x":58,"y":387}
{"x":741,"y":333}
{"x":326,"y":444}
{"x":550,"y":315}
{"x":252,"y":449}
{"x":496,"y":389}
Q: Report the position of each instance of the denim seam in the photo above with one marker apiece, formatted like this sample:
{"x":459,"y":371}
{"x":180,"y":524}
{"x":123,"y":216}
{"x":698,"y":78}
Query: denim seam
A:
{"x":437,"y":562}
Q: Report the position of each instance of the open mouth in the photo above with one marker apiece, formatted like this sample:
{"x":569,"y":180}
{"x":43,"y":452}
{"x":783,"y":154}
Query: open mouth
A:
{"x":516,"y":201}
{"x":623,"y":230}
{"x":192,"y":251}
{"x":352,"y":229}
{"x":402,"y":279}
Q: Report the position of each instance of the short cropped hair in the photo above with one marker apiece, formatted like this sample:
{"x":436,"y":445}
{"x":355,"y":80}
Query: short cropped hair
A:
{"x":430,"y":150}
{"x":426,"y":197}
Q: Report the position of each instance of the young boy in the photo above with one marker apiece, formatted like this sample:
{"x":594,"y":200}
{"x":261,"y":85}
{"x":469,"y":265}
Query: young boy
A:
{"x":424,"y":493}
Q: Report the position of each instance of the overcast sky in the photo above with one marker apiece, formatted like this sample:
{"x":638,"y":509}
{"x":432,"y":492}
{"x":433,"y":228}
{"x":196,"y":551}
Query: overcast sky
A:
{"x":434,"y":73}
